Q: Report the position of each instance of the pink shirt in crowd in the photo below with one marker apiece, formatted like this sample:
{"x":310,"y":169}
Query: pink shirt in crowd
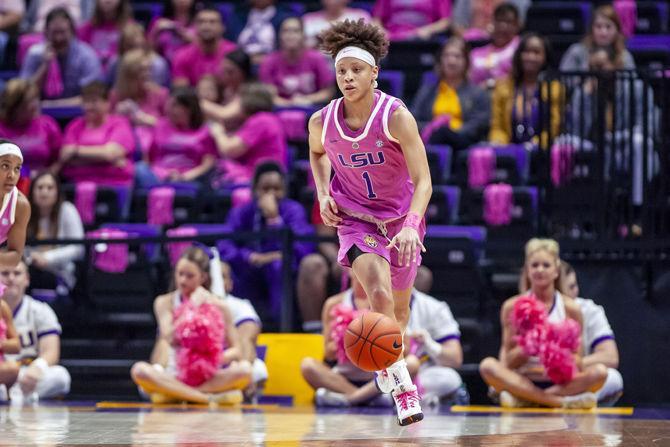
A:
{"x":39,"y":141}
{"x":402,"y":17}
{"x":178,"y":149}
{"x":492,"y":63}
{"x":309,"y":74}
{"x":315,"y":22}
{"x":114,"y":129}
{"x":153,"y":103}
{"x":167,"y":42}
{"x":263,"y":135}
{"x":103,"y":38}
{"x":192,"y":63}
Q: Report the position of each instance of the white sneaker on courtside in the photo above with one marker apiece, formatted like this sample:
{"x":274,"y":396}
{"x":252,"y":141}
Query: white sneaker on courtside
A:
{"x":383,"y":381}
{"x":584,"y":401}
{"x":327,"y":398}
{"x":407,"y":404}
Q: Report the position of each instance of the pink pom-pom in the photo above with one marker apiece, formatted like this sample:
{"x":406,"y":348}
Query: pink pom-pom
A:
{"x":532,"y":340}
{"x":199,"y":331}
{"x":194,"y":368}
{"x":342,"y":315}
{"x":528,"y":312}
{"x":566,"y":334}
{"x":559,"y":363}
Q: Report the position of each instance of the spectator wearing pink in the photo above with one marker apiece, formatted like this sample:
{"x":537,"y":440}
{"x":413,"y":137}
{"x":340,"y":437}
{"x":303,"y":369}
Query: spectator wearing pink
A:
{"x":494,"y":61}
{"x":132,"y":37}
{"x":412,"y":19}
{"x":38,"y":136}
{"x":98,"y":147}
{"x":137,"y":97}
{"x":473,"y":19}
{"x":204,"y":56}
{"x":235,"y":70}
{"x":61,"y":65}
{"x":333,"y":11}
{"x":174,"y":28}
{"x":260,"y":138}
{"x":301,"y":76}
{"x":183,"y":149}
{"x":104,"y":29}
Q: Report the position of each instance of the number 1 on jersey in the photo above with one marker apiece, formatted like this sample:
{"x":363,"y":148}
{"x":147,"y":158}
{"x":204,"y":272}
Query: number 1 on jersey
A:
{"x":368,"y":184}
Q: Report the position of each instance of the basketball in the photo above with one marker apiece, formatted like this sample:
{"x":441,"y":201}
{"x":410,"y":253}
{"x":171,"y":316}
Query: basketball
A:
{"x":373,"y":341}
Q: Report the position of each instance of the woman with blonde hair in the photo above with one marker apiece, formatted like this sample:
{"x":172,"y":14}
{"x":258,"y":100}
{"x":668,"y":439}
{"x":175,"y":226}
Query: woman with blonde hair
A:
{"x":604,"y":33}
{"x":137,"y":97}
{"x":132,"y":37}
{"x":22,"y":122}
{"x":164,"y":379}
{"x":521,"y":379}
{"x":102,"y":32}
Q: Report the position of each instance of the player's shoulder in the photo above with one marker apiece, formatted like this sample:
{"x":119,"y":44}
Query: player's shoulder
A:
{"x":163,"y":301}
{"x":36,"y":306}
{"x":22,"y":202}
{"x":316,"y":120}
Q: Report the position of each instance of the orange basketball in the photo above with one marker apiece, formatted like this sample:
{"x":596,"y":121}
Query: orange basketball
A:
{"x":373,"y":341}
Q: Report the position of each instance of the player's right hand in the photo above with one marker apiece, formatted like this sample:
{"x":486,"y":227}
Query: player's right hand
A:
{"x":329,"y":211}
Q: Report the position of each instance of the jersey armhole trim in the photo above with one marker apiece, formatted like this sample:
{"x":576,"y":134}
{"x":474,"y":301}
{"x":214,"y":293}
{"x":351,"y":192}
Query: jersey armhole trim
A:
{"x":385,"y":120}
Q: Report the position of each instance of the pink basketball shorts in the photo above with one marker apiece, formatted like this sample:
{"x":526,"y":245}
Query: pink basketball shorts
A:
{"x":368,"y":239}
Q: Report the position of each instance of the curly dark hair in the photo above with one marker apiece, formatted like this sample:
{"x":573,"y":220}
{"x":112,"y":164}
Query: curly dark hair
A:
{"x":358,"y":34}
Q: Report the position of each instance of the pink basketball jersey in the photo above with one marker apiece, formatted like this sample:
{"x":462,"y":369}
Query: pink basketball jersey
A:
{"x":8,"y":213}
{"x":371,"y":176}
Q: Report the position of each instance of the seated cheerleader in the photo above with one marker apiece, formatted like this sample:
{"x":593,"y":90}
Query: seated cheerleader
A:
{"x":189,"y":362}
{"x":344,"y":384}
{"x":540,"y":356}
{"x":9,"y":344}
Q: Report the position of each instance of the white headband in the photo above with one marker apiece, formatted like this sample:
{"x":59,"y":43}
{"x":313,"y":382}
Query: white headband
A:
{"x":358,"y":53}
{"x":10,"y":149}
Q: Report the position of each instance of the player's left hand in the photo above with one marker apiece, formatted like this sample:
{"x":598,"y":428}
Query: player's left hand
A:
{"x":407,"y":242}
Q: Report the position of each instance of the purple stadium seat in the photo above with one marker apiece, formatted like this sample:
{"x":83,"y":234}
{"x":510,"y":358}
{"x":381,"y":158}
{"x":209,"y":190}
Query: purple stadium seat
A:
{"x":443,"y":206}
{"x":140,"y":230}
{"x":454,"y":254}
{"x":652,"y":18}
{"x":392,"y":82}
{"x":442,"y":156}
{"x":553,"y":17}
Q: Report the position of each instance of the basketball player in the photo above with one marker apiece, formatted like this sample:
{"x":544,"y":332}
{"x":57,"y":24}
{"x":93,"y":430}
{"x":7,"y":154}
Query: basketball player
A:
{"x":520,"y":379}
{"x":40,"y":376}
{"x":380,"y":189}
{"x":15,"y":208}
{"x":598,"y":340}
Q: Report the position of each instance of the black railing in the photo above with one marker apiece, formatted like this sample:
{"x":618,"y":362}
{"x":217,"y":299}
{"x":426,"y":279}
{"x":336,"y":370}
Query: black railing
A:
{"x":603,"y":175}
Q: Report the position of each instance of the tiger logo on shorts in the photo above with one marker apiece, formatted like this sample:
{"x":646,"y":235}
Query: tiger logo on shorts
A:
{"x":370,"y":241}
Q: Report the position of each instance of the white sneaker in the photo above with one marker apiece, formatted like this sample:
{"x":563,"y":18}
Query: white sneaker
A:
{"x":383,"y":381}
{"x":407,"y":404}
{"x":508,"y":400}
{"x":327,"y":398}
{"x":584,"y":401}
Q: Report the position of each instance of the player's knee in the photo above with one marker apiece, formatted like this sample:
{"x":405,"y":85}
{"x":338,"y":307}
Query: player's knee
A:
{"x":599,"y":373}
{"x":140,"y":371}
{"x":313,"y":266}
{"x":62,"y":379}
{"x":380,"y":296}
{"x":308,"y":367}
{"x":488,"y":367}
